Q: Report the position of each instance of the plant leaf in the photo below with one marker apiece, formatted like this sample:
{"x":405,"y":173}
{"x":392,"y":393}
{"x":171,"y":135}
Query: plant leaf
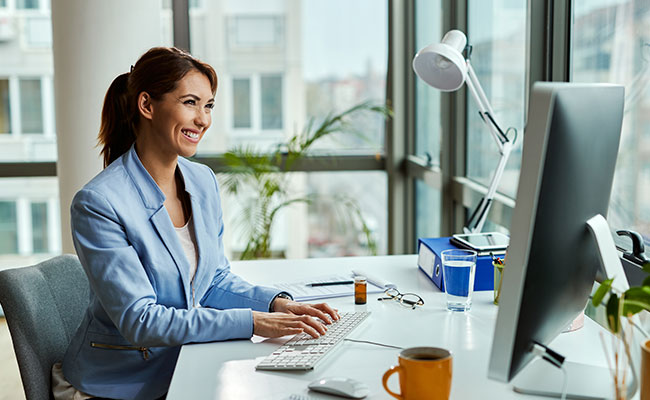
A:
{"x":603,"y":289}
{"x":636,"y":299}
{"x":612,"y":313}
{"x":646,"y":281}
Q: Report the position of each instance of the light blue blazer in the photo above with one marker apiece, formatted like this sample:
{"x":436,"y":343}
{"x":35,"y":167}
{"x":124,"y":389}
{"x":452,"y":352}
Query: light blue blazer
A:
{"x":140,"y":310}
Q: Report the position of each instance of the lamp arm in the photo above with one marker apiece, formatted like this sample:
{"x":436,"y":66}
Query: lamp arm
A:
{"x":479,"y":215}
{"x":485,"y":109}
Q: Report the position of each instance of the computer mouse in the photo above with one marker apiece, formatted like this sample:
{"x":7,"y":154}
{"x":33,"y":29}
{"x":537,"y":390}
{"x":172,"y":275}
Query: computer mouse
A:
{"x":344,"y":387}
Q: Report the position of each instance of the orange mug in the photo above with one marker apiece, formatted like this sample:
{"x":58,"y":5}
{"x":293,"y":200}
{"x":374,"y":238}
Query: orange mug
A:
{"x":424,"y":373}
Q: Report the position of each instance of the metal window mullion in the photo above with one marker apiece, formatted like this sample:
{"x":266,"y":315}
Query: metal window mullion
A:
{"x":256,"y":102}
{"x":53,"y":226}
{"x":562,"y":31}
{"x":24,"y":219}
{"x":417,"y":168}
{"x":47,"y":97}
{"x":453,"y":157}
{"x":410,"y":226}
{"x":181,"y":23}
{"x":396,"y":93}
{"x":14,"y":107}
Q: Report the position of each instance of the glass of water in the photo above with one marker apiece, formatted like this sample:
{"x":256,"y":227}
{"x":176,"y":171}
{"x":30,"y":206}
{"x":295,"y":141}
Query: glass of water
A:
{"x":458,"y":270}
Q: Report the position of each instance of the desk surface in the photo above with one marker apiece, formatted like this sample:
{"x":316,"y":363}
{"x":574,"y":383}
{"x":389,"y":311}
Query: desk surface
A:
{"x":226,"y":370}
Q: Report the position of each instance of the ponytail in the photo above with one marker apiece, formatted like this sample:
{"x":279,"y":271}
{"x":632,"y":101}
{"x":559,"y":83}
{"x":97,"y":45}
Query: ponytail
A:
{"x":116,"y":133}
{"x":157,"y":72}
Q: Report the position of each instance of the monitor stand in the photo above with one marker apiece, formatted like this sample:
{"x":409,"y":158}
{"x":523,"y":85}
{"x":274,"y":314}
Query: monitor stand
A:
{"x":583,"y":381}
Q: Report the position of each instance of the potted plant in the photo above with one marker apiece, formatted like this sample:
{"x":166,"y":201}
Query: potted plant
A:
{"x":264,"y":175}
{"x":620,"y":307}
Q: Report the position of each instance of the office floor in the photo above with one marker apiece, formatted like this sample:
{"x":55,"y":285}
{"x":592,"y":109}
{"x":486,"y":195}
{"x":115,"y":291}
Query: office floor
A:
{"x":10,"y":385}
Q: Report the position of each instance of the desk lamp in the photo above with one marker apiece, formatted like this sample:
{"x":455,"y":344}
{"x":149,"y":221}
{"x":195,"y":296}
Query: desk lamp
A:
{"x":442,"y":66}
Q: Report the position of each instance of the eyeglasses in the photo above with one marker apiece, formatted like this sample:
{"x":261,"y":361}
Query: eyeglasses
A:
{"x":406,"y":299}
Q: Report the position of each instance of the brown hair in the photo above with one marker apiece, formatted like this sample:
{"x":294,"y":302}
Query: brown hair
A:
{"x":157,"y":72}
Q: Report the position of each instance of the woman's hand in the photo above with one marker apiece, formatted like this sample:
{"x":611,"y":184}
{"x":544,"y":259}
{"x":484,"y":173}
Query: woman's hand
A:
{"x":278,"y":324}
{"x":322,"y":310}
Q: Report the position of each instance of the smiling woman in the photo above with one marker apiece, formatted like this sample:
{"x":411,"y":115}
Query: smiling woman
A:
{"x":148,"y":231}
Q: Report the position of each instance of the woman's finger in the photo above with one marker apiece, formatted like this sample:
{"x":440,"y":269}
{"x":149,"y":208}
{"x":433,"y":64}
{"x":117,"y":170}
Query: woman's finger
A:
{"x":324,"y":307}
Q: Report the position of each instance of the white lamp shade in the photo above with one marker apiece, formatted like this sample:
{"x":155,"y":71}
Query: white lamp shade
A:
{"x":441,"y":65}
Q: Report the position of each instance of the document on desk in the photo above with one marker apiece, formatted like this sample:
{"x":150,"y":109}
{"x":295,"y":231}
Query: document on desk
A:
{"x":303,"y":291}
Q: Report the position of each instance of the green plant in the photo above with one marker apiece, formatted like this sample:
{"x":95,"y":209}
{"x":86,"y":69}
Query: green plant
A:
{"x":620,"y":307}
{"x":260,"y":179}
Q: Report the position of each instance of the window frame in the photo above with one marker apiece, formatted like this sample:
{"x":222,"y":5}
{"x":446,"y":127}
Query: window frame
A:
{"x":548,"y":58}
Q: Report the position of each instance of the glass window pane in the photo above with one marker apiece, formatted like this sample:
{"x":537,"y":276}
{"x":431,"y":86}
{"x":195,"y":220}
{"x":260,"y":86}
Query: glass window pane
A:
{"x":31,"y":106}
{"x":428,"y":29}
{"x":427,"y":211}
{"x":497,"y":33}
{"x":611,"y":43}
{"x":8,"y":228}
{"x":241,"y":103}
{"x":271,"y":102}
{"x":350,"y":208}
{"x":5,"y":111}
{"x":27,"y":4}
{"x":39,"y":227}
{"x":30,"y":228}
{"x":322,"y":70}
{"x":344,"y":211}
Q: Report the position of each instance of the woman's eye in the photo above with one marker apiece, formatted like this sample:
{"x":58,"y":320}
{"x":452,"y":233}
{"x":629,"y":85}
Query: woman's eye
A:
{"x":210,"y":106}
{"x":190,"y":102}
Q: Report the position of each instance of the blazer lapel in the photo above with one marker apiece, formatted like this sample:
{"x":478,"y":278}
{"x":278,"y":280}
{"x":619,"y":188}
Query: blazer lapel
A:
{"x":163,"y":224}
{"x":199,"y":235}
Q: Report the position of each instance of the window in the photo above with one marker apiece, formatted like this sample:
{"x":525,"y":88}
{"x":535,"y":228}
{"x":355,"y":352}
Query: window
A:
{"x":271,"y":102}
{"x":38,"y":31}
{"x":8,"y":228}
{"x":241,"y":97}
{"x":497,"y":33}
{"x":31,"y":108}
{"x":257,"y":104}
{"x":281,"y":65}
{"x":427,"y":211}
{"x":256,"y":31}
{"x":39,"y":227}
{"x":27,"y":4}
{"x":611,"y":43}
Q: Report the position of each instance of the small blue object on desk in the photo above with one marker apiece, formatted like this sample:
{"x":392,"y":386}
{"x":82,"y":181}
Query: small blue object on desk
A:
{"x":430,"y":262}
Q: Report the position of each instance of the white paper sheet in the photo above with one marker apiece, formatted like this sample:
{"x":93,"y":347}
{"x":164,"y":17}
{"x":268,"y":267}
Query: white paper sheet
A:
{"x":301,"y":291}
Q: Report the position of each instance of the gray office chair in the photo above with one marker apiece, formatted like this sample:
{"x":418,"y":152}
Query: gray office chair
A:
{"x":44,"y":305}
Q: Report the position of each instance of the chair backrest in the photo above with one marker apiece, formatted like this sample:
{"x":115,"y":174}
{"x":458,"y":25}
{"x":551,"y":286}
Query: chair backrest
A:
{"x":44,"y":305}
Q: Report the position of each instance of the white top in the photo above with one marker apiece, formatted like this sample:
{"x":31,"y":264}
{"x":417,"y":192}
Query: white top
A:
{"x":188,"y":241}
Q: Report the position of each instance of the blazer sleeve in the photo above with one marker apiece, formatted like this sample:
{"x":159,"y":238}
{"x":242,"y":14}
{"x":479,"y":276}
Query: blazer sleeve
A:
{"x":229,"y":290}
{"x":121,"y":285}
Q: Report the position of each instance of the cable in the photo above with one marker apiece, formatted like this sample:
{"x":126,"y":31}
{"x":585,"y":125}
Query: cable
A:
{"x":565,"y":383}
{"x":374,"y":343}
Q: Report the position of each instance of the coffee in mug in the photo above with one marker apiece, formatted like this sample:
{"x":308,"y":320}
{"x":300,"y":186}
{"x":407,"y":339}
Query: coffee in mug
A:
{"x":424,"y":373}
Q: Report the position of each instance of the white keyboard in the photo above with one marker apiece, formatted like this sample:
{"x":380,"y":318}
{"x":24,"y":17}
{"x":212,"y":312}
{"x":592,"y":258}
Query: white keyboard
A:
{"x":302,"y":352}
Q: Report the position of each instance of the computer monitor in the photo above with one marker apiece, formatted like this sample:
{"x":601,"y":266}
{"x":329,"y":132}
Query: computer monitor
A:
{"x":569,"y":155}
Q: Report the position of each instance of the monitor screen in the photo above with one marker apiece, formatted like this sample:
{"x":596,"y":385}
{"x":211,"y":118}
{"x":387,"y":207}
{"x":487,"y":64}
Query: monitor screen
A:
{"x":569,"y":155}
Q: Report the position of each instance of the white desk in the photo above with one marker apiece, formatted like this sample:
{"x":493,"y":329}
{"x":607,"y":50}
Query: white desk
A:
{"x":226,"y":370}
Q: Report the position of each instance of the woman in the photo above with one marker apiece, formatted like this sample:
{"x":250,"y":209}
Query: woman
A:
{"x":148,"y":231}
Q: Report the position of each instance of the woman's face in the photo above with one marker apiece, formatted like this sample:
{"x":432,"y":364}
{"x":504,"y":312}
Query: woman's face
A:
{"x":181,"y":117}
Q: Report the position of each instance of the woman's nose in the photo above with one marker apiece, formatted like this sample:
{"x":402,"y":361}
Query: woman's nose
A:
{"x":202,"y":119}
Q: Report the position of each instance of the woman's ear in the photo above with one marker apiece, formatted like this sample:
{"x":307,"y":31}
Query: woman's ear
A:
{"x":145,"y":106}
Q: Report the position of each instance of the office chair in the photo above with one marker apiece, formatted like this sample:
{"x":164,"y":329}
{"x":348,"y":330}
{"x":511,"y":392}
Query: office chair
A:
{"x":44,"y":305}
